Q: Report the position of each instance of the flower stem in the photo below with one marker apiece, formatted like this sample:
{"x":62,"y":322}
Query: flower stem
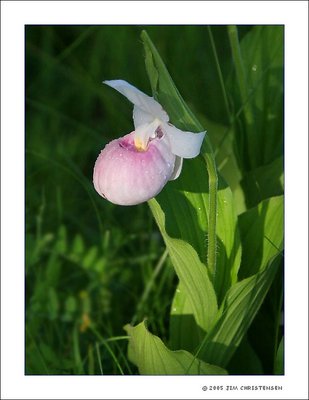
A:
{"x":212,"y":216}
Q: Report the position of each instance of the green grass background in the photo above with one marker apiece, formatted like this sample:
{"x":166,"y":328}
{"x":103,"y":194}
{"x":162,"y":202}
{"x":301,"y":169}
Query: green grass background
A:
{"x":91,"y":266}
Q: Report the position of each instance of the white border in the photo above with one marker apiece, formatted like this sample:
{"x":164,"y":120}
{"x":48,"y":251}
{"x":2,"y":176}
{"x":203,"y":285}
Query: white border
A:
{"x":14,"y":15}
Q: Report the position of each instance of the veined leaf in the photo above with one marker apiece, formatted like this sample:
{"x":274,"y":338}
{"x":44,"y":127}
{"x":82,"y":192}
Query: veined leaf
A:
{"x":240,"y":306}
{"x":261,"y":231}
{"x":153,"y":358}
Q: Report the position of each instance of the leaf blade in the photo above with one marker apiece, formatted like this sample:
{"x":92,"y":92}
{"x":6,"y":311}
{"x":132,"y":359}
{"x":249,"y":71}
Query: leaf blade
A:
{"x":153,"y":358}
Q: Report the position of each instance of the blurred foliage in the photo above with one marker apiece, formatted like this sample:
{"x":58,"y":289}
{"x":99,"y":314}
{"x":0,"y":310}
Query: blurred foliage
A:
{"x":91,"y":266}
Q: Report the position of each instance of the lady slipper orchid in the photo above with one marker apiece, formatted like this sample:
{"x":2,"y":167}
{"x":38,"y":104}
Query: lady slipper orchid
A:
{"x":136,"y":167}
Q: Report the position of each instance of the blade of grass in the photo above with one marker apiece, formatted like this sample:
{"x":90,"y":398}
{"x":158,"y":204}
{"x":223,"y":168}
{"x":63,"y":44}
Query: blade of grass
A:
{"x":90,"y":360}
{"x":42,"y":359}
{"x":76,"y":352}
{"x":213,"y":46}
{"x":99,"y":358}
{"x":240,"y":72}
{"x":149,"y":286}
{"x":104,"y":343}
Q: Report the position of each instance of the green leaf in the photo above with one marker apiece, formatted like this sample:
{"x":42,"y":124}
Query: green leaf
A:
{"x":279,"y":362}
{"x":240,"y":306}
{"x":153,"y":358}
{"x":261,"y":231}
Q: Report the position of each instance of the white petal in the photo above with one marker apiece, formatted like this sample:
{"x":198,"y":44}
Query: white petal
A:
{"x":184,"y":144}
{"x":146,"y":103}
{"x":140,"y":117}
{"x":177,"y":168}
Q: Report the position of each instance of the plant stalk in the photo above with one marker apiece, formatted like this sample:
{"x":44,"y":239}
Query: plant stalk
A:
{"x":212,"y":216}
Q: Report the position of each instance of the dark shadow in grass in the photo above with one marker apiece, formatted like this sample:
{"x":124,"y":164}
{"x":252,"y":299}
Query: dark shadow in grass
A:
{"x":251,"y":227}
{"x":269,"y":324}
{"x":253,"y":238}
{"x":263,"y":182}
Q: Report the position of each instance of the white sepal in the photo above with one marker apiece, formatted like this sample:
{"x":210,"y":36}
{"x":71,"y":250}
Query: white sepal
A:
{"x":146,"y":103}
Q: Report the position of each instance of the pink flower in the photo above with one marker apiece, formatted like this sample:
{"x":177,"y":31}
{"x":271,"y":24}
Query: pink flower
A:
{"x":136,"y":167}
